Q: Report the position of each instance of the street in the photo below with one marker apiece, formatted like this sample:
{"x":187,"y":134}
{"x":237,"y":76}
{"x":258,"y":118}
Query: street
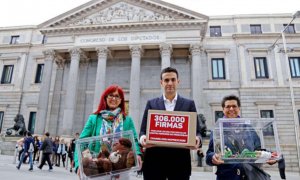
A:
{"x":8,"y":171}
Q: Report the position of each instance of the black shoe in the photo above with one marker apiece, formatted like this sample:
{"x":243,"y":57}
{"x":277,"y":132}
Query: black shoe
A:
{"x":18,"y":167}
{"x":70,"y":170}
{"x":31,"y":169}
{"x":39,"y":167}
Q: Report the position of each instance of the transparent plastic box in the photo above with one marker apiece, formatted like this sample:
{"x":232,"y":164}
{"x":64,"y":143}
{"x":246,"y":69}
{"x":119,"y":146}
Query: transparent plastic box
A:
{"x":102,"y":157}
{"x":243,"y":140}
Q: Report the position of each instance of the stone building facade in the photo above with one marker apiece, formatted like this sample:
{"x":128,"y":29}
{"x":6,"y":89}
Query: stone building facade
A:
{"x":54,"y":73}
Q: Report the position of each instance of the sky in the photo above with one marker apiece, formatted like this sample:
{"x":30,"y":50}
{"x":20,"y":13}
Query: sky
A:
{"x":35,"y":12}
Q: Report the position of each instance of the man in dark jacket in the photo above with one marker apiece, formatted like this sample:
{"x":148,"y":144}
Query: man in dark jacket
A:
{"x":47,"y":148}
{"x":28,"y":150}
{"x":161,"y":163}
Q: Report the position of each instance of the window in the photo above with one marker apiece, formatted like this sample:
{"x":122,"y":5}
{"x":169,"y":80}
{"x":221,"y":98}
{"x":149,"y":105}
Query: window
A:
{"x":31,"y":122}
{"x":39,"y":73}
{"x":218,"y":114}
{"x":255,"y":29}
{"x":261,"y":67}
{"x":44,"y":41}
{"x":14,"y":39}
{"x":267,"y":114}
{"x":295,"y":66}
{"x":218,"y":69}
{"x":1,"y":119}
{"x":215,"y":31}
{"x":290,"y":29}
{"x":7,"y":74}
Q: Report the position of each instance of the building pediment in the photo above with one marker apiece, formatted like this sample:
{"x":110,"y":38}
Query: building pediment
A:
{"x":122,"y":12}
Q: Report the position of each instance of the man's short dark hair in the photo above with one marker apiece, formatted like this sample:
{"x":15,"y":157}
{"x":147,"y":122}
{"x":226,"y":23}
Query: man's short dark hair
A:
{"x":28,"y":133}
{"x":47,"y":134}
{"x":168,"y":70}
{"x":231,"y":97}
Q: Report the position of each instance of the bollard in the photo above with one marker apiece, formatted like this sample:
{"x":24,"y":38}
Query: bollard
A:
{"x":67,"y":161}
{"x":15,"y":155}
{"x":41,"y":156}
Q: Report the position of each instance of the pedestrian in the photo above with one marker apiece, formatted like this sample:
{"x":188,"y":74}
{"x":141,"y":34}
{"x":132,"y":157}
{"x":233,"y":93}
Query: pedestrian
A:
{"x":20,"y":149}
{"x":281,"y":167}
{"x":202,"y":126}
{"x":161,"y":163}
{"x":71,"y":150}
{"x":109,"y":118}
{"x":28,"y":150}
{"x":200,"y":156}
{"x":36,"y":148}
{"x":61,"y":151}
{"x":54,"y":155}
{"x":47,"y":151}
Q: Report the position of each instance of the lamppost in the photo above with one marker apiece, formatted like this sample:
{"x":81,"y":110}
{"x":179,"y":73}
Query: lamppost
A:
{"x":288,"y":70}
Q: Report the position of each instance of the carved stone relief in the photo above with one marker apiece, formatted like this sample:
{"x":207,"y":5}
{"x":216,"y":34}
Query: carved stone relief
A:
{"x":122,"y":12}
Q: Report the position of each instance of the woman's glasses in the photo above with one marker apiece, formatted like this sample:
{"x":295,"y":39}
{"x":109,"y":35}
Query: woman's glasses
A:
{"x":111,"y":96}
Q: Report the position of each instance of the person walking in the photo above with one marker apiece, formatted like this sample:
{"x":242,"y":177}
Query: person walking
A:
{"x":71,"y":150}
{"x":47,"y":151}
{"x":55,"y":155}
{"x":61,"y":151}
{"x":281,"y":167}
{"x":28,"y":150}
{"x":36,"y":148}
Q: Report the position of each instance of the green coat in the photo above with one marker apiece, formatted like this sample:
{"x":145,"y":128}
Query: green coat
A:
{"x":92,"y":128}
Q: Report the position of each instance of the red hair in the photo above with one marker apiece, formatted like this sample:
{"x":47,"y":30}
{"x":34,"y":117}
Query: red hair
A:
{"x":109,"y":90}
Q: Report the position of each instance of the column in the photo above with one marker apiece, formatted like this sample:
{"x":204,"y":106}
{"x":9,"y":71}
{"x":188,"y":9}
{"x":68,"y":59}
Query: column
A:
{"x":71,"y":91}
{"x":197,"y":90}
{"x":243,"y":68}
{"x":165,"y":52}
{"x":44,"y":93}
{"x":278,"y":67}
{"x":134,"y":98}
{"x":101,"y":75}
{"x":19,"y":83}
{"x":55,"y":119}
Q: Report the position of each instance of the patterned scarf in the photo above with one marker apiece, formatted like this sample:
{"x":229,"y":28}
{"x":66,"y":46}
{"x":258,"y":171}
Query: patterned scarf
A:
{"x":112,"y":121}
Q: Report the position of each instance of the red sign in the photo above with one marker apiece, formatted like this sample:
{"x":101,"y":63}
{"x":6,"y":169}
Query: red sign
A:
{"x":169,"y":128}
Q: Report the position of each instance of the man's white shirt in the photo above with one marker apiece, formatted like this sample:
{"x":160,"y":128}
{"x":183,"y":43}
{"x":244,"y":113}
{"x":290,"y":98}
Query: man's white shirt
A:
{"x":170,"y":105}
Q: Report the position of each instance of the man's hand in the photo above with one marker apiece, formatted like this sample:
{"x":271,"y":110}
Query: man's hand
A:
{"x":271,"y":161}
{"x":144,"y":143}
{"x":198,"y":142}
{"x":217,"y":160}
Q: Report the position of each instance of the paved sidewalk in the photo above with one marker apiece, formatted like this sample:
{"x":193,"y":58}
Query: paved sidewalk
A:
{"x":8,"y":171}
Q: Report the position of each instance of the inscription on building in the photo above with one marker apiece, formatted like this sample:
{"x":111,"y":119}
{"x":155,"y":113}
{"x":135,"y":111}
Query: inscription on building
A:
{"x":121,"y":39}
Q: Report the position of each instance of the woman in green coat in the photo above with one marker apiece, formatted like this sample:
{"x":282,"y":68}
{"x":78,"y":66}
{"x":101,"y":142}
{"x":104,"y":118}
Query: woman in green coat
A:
{"x":110,"y":117}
